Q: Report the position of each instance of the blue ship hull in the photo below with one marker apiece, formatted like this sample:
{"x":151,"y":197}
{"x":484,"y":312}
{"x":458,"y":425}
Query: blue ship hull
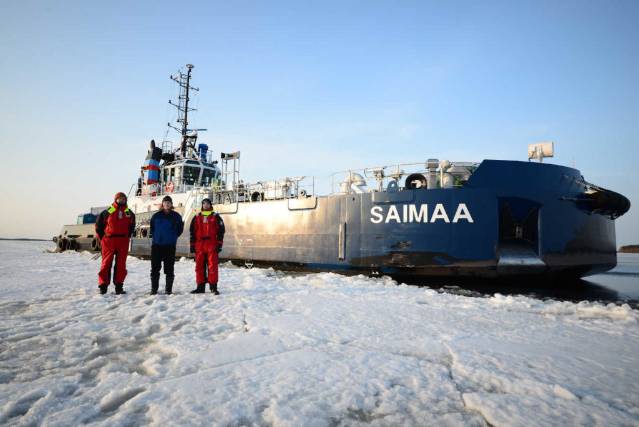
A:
{"x":511,"y":219}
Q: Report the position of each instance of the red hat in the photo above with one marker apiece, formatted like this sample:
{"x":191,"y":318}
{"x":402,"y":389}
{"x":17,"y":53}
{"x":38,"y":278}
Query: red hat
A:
{"x":118,"y":195}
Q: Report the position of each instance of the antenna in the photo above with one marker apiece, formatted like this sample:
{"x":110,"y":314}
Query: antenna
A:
{"x":184,"y":82}
{"x":540,"y":150}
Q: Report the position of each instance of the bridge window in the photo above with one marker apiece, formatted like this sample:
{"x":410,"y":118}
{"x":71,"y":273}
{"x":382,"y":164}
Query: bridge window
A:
{"x":169,"y":174}
{"x":208,"y":176}
{"x":191,"y":175}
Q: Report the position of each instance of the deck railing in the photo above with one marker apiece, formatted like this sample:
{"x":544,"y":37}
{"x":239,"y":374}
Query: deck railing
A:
{"x":361,"y":180}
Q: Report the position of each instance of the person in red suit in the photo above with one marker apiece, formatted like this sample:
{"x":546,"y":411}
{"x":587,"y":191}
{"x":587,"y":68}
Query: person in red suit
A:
{"x":114,"y":227}
{"x":207,"y":237}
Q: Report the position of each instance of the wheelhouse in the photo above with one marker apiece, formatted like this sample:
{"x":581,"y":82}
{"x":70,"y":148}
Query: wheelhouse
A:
{"x":186,"y":174}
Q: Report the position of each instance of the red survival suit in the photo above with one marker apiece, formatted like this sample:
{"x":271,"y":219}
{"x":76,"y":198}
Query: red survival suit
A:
{"x":207,"y":237}
{"x":114,"y":228}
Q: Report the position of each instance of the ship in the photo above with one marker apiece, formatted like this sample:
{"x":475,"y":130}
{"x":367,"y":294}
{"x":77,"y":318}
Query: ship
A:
{"x":493,"y":219}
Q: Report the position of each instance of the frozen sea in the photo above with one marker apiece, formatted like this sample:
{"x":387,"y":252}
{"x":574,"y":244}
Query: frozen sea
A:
{"x":305,"y":350}
{"x":619,"y":286}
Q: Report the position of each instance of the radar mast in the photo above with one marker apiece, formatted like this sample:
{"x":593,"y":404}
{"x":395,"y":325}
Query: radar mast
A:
{"x":189,"y":136}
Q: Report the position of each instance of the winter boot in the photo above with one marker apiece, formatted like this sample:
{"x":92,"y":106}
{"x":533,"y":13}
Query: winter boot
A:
{"x":103,"y":289}
{"x":200,"y":289}
{"x":169,"y":285}
{"x":155,"y":284}
{"x":119,"y":289}
{"x":213,"y":287}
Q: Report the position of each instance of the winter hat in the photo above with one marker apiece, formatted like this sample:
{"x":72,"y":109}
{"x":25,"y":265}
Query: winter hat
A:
{"x":206,"y":200}
{"x":167,"y":199}
{"x":118,"y":195}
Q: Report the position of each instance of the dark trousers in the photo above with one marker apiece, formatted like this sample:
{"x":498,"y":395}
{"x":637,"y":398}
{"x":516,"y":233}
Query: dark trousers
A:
{"x":162,"y":255}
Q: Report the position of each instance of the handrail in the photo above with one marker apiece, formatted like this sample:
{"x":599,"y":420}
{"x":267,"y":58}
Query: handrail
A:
{"x":128,"y":196}
{"x":286,"y":188}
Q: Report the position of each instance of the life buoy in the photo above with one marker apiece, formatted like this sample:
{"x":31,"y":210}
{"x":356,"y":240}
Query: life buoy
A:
{"x":169,"y":187}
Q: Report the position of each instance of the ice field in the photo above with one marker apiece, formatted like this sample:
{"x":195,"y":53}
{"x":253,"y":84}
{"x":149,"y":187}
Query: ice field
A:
{"x":300,"y":350}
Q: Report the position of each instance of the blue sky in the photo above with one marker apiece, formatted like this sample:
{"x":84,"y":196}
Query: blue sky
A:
{"x":308,"y":88}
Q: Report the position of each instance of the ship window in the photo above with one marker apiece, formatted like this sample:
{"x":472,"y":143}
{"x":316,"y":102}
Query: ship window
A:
{"x":168,"y":174}
{"x":207,"y":177}
{"x":191,"y":175}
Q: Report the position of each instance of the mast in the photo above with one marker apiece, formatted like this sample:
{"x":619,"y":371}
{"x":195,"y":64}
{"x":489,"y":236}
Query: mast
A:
{"x":184,"y":82}
{"x":185,"y":122}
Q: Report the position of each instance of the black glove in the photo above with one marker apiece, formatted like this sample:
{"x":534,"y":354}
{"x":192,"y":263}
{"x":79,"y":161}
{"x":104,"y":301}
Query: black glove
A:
{"x":219,"y":249}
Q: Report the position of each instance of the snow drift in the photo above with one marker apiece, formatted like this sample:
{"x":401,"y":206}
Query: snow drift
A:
{"x":313,"y":350}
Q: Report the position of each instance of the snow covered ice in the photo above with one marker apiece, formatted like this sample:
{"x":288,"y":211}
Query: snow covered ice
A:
{"x":300,"y":350}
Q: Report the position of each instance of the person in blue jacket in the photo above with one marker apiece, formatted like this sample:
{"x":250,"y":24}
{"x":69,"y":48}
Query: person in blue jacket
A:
{"x":166,"y":227}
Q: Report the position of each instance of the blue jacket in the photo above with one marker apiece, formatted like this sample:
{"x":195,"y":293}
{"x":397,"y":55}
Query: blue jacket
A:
{"x":166,"y":228}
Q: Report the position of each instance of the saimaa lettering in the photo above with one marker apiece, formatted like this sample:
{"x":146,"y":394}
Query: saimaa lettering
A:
{"x":419,"y":214}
